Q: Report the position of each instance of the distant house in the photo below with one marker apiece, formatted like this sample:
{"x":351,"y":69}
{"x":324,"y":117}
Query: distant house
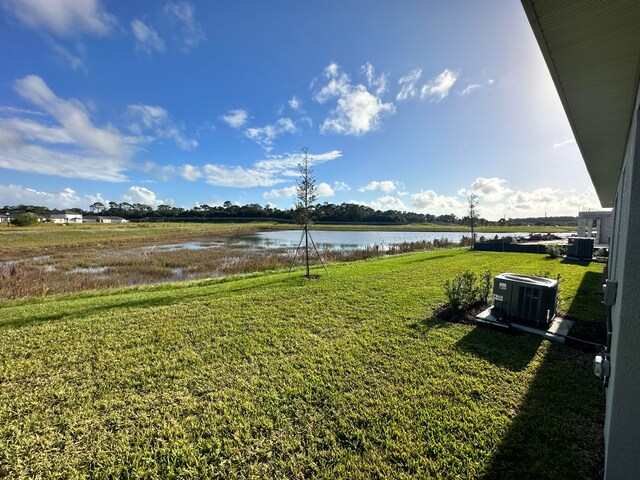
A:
{"x":112,"y":219}
{"x":66,"y":217}
{"x":103,"y":219}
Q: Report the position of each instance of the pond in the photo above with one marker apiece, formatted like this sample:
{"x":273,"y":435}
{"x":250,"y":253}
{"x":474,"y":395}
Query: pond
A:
{"x":354,"y":240}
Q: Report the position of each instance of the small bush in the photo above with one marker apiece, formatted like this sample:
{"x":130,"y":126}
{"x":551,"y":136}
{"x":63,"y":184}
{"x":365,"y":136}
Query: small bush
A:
{"x":485,"y":285}
{"x":467,"y":289}
{"x":554,"y":250}
{"x":25,"y":220}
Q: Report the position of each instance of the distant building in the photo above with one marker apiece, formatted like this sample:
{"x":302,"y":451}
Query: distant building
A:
{"x":66,"y":217}
{"x":111,"y":219}
{"x":604,"y":225}
{"x":103,"y":219}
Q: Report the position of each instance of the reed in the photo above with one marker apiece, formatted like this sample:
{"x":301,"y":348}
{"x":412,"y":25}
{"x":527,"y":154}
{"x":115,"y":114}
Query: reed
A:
{"x":93,"y":266}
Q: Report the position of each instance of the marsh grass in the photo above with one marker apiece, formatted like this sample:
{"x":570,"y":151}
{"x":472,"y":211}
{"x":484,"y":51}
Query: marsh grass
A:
{"x":126,"y":263}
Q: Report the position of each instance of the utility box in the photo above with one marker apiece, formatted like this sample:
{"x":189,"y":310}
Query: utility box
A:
{"x":580,"y":247}
{"x":525,"y":298}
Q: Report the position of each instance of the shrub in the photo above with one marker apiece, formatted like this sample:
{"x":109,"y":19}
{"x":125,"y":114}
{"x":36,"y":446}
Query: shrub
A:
{"x":485,"y":285}
{"x":467,"y":289}
{"x":554,"y":250}
{"x":25,"y":220}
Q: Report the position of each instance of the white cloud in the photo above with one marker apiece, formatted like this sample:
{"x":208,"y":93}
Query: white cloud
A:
{"x":235,"y":118}
{"x":73,"y":147}
{"x":240,"y":177}
{"x":75,"y":62}
{"x":147,"y":39}
{"x":62,"y":17}
{"x":182,"y":14}
{"x":288,"y":164}
{"x":408,"y":85}
{"x":157,"y":123}
{"x":285,"y":192}
{"x":357,"y":110}
{"x":438,"y":88}
{"x":143,"y":195}
{"x":24,"y":129}
{"x":295,"y":103}
{"x":496,"y":201}
{"x":325,"y":190}
{"x":469,"y":88}
{"x":264,"y":173}
{"x":45,"y":161}
{"x":19,"y":195}
{"x":265,"y":136}
{"x":543,"y":201}
{"x":386,"y":202}
{"x":8,"y":110}
{"x":385,"y":186}
{"x":73,"y":117}
{"x":428,"y":201}
{"x":490,"y":189}
{"x":190,"y":172}
{"x":379,"y":83}
{"x":340,"y":186}
{"x":562,"y":143}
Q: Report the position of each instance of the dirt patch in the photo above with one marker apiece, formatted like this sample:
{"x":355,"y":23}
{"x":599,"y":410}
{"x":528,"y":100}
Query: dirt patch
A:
{"x":466,"y":316}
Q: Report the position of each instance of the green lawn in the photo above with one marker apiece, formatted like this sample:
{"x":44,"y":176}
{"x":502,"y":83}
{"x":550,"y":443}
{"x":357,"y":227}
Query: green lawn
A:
{"x":271,"y":375}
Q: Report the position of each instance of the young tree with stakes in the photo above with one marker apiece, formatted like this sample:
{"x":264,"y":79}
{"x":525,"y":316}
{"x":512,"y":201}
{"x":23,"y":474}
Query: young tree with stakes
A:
{"x":474,"y":215}
{"x":307,"y":193}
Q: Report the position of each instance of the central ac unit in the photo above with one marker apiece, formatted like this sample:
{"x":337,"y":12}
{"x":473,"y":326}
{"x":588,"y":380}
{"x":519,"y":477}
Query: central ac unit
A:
{"x":580,"y":247}
{"x":525,"y":298}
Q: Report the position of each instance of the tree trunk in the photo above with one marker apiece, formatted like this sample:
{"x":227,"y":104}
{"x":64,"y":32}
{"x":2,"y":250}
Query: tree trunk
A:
{"x":306,"y":247}
{"x":473,"y":236}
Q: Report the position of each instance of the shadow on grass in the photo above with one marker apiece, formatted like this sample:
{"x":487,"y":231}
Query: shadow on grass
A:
{"x":557,"y":433}
{"x":502,"y":348}
{"x":587,"y":311}
{"x":575,"y":261}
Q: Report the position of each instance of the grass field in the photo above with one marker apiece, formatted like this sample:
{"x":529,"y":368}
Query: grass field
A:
{"x":271,"y":375}
{"x":41,"y":238}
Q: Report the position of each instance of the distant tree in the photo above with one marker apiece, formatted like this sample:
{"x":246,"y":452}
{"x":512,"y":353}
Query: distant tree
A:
{"x":97,"y":207}
{"x":307,"y":193}
{"x":25,"y":220}
{"x":502,"y":222}
{"x":473,"y":215}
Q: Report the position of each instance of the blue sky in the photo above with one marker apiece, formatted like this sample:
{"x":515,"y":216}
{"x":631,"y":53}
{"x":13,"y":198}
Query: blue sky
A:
{"x":405,"y":105}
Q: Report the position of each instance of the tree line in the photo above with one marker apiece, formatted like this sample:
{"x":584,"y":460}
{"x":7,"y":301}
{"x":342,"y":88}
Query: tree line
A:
{"x":322,"y":213}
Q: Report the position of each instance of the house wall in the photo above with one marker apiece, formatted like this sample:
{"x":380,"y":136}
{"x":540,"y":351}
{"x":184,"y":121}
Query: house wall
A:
{"x":622,"y":418}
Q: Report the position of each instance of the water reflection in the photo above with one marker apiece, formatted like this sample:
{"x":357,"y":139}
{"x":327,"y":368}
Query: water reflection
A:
{"x":353,"y":240}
